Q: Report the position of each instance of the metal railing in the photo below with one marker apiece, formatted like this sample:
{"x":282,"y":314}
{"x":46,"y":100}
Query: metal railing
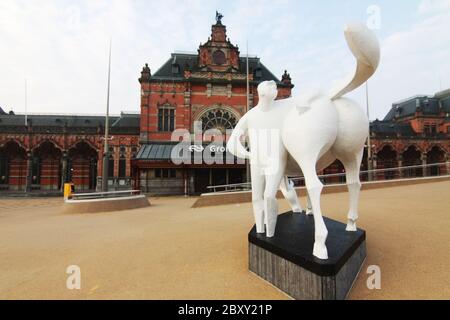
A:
{"x":404,"y":172}
{"x":105,"y":195}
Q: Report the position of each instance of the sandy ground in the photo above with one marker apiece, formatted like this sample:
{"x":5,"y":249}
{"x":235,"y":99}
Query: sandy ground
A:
{"x":169,"y":251}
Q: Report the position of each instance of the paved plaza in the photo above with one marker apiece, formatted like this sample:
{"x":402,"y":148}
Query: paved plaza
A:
{"x":170,"y":251}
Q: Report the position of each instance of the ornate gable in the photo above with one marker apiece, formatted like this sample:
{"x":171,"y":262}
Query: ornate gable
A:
{"x":218,"y":54}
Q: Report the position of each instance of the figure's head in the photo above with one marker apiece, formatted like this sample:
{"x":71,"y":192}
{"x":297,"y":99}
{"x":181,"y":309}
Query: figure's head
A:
{"x":267,"y":90}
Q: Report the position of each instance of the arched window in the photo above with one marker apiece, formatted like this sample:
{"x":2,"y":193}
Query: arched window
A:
{"x":166,"y":118}
{"x":218,"y":119}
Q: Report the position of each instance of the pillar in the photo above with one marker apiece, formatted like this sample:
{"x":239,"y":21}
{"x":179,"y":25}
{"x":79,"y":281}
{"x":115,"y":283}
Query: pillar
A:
{"x":29,"y":171}
{"x":64,"y":170}
{"x":423,"y":158}
{"x":400,"y":164}
{"x":447,"y":164}
{"x":374,"y":167}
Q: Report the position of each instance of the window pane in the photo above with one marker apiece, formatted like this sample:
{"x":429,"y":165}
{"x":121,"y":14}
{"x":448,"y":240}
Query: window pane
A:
{"x":158,"y":173}
{"x":166,"y":119}
{"x":172,"y":118}
{"x":160,"y":120}
{"x":111,"y":168}
{"x":165,"y":173}
{"x":122,"y":168}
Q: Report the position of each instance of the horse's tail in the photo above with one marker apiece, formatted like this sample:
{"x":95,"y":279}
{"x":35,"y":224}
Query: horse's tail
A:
{"x":365,"y":48}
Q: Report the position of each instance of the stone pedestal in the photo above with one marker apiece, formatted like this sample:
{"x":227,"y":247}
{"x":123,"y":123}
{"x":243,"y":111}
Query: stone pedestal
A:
{"x":286,"y":260}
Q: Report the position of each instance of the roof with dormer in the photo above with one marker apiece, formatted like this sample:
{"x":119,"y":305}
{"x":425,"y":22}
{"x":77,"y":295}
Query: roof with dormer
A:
{"x":126,"y":123}
{"x":217,"y":60}
{"x":427,"y":105}
{"x":189,"y":62}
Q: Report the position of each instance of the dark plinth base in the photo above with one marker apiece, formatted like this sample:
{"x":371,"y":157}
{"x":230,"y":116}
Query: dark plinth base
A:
{"x":286,"y":260}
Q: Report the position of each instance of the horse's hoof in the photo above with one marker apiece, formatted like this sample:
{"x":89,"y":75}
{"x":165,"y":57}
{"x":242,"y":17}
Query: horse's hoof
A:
{"x":351,"y":226}
{"x":320,"y":251}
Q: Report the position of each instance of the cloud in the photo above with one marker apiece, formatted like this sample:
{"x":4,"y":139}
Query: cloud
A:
{"x":415,"y":60}
{"x":432,"y":6}
{"x":61,"y":47}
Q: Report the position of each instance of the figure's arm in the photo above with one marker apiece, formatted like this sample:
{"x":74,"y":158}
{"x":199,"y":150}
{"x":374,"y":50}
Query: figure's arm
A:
{"x":234,"y":144}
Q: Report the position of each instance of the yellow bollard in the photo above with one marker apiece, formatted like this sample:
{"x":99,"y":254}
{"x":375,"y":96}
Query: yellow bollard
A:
{"x":68,"y":190}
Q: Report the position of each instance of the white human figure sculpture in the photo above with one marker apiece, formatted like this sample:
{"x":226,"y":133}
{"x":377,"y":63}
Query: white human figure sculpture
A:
{"x":267,"y":158}
{"x":314,"y":130}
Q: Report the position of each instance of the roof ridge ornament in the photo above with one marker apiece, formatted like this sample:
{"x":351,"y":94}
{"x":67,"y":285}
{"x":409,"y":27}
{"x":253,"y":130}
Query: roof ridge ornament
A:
{"x":219,"y":17}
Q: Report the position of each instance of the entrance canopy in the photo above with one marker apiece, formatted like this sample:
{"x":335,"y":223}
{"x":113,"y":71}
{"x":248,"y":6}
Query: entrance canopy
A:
{"x":188,"y":153}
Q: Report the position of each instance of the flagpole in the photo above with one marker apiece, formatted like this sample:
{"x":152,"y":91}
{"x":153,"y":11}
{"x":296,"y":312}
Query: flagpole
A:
{"x":247,"y":163}
{"x":369,"y":143}
{"x":26,"y":102}
{"x":106,"y":146}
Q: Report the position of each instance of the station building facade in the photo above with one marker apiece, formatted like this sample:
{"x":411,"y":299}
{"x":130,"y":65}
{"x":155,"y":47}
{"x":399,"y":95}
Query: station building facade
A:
{"x":208,"y":89}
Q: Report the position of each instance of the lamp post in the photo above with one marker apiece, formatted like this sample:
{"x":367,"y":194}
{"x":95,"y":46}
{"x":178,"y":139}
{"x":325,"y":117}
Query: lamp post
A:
{"x":106,"y":146}
{"x":247,"y":161}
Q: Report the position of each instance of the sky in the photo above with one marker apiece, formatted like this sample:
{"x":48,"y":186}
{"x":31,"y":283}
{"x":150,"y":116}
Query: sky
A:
{"x":61,"y":47}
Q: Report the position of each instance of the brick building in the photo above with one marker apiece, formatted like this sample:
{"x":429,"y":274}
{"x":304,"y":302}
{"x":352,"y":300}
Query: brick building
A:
{"x":53,"y":149}
{"x":208,"y":87}
{"x":415,"y":131}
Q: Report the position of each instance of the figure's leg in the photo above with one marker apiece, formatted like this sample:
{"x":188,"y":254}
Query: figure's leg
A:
{"x":270,"y":201}
{"x":352,"y":168}
{"x":257,"y":198}
{"x":314,"y":187}
{"x":290,"y":195}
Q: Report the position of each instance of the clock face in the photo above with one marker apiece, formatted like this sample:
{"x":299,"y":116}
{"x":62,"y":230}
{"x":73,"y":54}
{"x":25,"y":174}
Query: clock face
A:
{"x":219,"y":57}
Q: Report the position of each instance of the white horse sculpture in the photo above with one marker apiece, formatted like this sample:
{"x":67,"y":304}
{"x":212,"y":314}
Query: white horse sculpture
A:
{"x":310,"y":131}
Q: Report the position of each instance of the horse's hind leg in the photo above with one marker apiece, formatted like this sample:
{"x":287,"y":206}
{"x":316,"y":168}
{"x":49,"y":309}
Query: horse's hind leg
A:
{"x":352,"y":168}
{"x":324,"y":161}
{"x":290,"y":195}
{"x":314,"y":186}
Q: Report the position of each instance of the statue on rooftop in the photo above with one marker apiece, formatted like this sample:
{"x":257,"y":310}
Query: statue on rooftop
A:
{"x":219,"y":17}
